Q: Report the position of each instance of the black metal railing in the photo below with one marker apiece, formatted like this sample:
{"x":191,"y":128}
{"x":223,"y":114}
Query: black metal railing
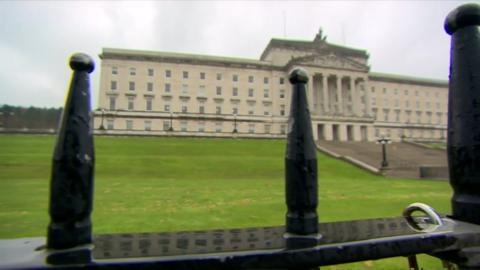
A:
{"x":302,"y":243}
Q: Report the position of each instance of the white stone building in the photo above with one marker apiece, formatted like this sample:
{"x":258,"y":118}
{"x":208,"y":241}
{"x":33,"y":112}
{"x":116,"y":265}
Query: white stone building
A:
{"x":160,"y":93}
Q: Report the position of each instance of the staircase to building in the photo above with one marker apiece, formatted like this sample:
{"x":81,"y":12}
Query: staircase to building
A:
{"x":404,"y":159}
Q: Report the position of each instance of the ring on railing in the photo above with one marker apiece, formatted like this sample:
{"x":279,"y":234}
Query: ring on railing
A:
{"x":430,"y":223}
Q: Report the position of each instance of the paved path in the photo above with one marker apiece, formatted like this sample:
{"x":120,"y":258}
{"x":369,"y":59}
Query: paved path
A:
{"x":404,"y":158}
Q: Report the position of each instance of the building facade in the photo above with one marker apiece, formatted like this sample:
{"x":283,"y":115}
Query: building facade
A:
{"x":160,"y":93}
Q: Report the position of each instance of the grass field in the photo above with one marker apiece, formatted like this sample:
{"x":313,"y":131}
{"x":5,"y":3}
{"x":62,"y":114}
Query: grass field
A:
{"x":166,"y":184}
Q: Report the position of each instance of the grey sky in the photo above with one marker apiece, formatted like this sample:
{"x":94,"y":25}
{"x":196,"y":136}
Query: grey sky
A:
{"x":36,"y":38}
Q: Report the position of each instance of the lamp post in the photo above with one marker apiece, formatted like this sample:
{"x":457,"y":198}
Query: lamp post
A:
{"x":102,"y":127}
{"x":384,"y":141}
{"x":235,"y":123}
{"x":171,"y":122}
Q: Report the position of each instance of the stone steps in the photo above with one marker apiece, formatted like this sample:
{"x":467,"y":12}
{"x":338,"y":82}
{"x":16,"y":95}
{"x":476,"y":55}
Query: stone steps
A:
{"x":404,"y":159}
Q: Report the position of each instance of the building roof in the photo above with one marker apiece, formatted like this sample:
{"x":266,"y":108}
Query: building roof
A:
{"x":384,"y":77}
{"x":113,"y":53}
{"x":319,"y":42}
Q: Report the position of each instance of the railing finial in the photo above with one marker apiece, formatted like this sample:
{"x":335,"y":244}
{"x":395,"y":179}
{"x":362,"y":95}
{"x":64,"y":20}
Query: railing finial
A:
{"x":71,"y":188}
{"x":463,"y":142}
{"x":300,"y":167}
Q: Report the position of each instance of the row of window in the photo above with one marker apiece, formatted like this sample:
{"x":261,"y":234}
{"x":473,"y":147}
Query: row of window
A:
{"x":200,"y":126}
{"x":201,"y":75}
{"x":201,"y":89}
{"x":406,"y":92}
{"x":185,"y":107}
{"x":407,"y":103}
{"x":408,"y":116}
{"x":409,"y":133}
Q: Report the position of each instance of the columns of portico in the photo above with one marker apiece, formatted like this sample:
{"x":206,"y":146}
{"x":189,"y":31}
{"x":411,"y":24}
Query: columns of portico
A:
{"x":310,"y":89}
{"x":339,"y":94}
{"x":326,"y":101}
{"x":353,"y":92}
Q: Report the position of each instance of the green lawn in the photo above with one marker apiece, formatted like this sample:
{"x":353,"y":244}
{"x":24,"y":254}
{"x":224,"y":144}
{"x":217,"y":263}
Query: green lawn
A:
{"x":166,"y":184}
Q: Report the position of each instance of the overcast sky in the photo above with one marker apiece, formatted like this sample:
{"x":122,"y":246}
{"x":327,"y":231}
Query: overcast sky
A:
{"x":37,"y":38}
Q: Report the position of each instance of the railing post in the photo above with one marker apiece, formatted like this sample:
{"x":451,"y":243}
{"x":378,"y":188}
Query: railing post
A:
{"x":300,"y":168}
{"x":71,"y":188}
{"x":463,"y":142}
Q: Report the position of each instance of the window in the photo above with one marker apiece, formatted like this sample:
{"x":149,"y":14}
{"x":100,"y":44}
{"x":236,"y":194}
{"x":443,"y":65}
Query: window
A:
{"x":131,"y":86}
{"x":235,"y":110}
{"x":184,"y":107}
{"x":219,"y":90}
{"x":282,"y":129}
{"x":150,"y":72}
{"x":374,"y":101}
{"x":201,"y":91}
{"x":282,"y":80}
{"x":219,"y":76}
{"x":218,"y":110}
{"x":409,"y":116}
{"x":218,"y":126}
{"x":130,"y":103}
{"x":149,"y":87}
{"x":112,"y":103}
{"x":251,"y":128}
{"x":113,"y":85}
{"x":235,"y":92}
{"x":148,"y":125}
{"x":183,"y":126}
{"x":251,"y":109}
{"x":397,"y":116}
{"x":148,"y":104}
{"x":373,"y":89}
{"x":267,"y":128}
{"x":168,"y":73}
{"x":114,"y":70}
{"x":166,"y":107}
{"x":185,"y":89}
{"x":267,"y":110}
{"x":202,"y":75}
{"x":201,"y":126}
{"x":185,"y":74}
{"x":133,"y":71}
{"x":235,"y":78}
{"x":265,"y":80}
{"x":396,"y":102}
{"x":250,"y":79}
{"x":429,"y":117}
{"x":416,"y":93}
{"x":166,"y":125}
{"x":129,"y":124}
{"x":375,"y":114}
{"x":385,"y":102}
{"x":427,"y":105}
{"x":377,"y":132}
{"x":167,"y":88}
{"x":419,"y":117}
{"x":266,"y":93}
{"x":250,"y":92}
{"x":282,"y":93}
{"x":201,"y":107}
{"x":384,"y":90}
{"x":385,"y":115}
{"x":407,"y":104}
{"x":418,"y":104}
{"x":406,"y":92}
{"x":109,"y":123}
{"x":437,"y":105}
{"x":282,"y":110}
